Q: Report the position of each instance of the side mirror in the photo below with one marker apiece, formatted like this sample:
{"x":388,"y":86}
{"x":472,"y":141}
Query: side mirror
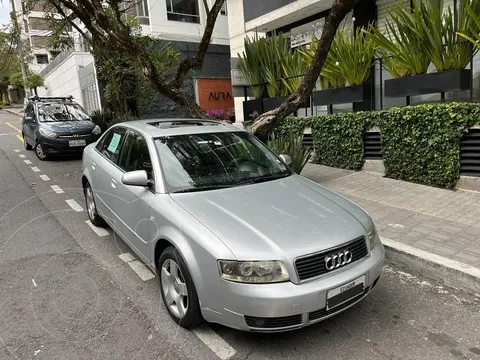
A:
{"x":286,"y":159}
{"x":29,"y":119}
{"x":136,"y":178}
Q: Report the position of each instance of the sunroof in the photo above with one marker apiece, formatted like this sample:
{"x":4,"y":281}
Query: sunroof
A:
{"x":183,"y":123}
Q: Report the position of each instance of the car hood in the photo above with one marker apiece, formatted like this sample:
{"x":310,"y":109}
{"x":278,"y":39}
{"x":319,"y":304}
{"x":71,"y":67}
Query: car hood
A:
{"x":70,"y":126}
{"x":277,"y":220}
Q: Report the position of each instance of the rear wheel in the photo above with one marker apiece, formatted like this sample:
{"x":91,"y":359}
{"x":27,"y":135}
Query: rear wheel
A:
{"x":39,"y":152}
{"x":178,"y":291}
{"x":95,"y":219}
{"x":26,"y":144}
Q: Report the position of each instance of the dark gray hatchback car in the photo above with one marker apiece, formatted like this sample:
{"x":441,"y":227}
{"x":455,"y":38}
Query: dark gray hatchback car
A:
{"x":57,"y":125}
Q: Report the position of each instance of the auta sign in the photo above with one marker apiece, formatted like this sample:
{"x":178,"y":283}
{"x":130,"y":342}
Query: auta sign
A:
{"x":303,"y":34}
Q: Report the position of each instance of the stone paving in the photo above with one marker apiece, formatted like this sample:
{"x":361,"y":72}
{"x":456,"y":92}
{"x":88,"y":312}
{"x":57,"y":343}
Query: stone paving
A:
{"x":445,"y":222}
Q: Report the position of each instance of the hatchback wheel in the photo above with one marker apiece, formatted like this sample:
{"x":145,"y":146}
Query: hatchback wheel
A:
{"x":95,"y":219}
{"x":26,"y":144}
{"x":178,"y":291}
{"x":39,"y":152}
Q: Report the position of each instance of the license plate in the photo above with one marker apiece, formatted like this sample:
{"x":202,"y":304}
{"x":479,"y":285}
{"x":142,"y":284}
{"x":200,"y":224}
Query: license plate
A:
{"x":346,"y":292}
{"x":73,"y":143}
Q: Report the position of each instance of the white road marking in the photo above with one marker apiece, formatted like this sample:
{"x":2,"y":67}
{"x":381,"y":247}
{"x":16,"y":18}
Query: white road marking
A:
{"x":57,"y":189}
{"x":44,"y":178}
{"x":74,"y":205}
{"x":28,"y":162}
{"x":36,"y":169}
{"x":126,"y":257}
{"x":98,"y":230}
{"x":22,"y":156}
{"x":141,"y":270}
{"x":34,"y":283}
{"x":17,"y":150}
{"x":216,"y":343}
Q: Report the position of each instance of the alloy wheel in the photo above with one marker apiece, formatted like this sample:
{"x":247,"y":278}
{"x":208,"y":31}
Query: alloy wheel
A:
{"x":174,"y":288}
{"x":91,"y":208}
{"x":39,"y":151}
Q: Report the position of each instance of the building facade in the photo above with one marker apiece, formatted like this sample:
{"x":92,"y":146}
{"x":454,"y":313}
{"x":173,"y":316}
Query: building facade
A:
{"x":180,"y":23}
{"x":299,"y":20}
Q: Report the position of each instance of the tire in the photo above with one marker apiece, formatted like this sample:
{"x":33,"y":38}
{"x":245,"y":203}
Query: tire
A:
{"x":39,"y":152}
{"x":92,"y":212}
{"x":25,"y":144}
{"x":187,"y":314}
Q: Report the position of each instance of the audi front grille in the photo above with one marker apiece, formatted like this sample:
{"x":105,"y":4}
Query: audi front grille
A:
{"x":314,"y":265}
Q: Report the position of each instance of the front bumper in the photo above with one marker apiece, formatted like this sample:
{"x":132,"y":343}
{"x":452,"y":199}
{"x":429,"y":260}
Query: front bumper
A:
{"x":60,"y":146}
{"x":288,"y":306}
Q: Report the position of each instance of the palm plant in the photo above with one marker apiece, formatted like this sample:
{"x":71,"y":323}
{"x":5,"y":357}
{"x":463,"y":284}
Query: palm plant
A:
{"x":293,"y":66}
{"x":471,"y":32}
{"x":291,"y":145}
{"x":250,"y":64}
{"x":404,"y":42}
{"x":445,"y":48}
{"x":355,"y":51}
{"x":276,"y":52}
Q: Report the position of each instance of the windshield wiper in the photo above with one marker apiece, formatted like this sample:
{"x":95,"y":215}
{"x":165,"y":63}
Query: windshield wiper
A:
{"x":261,"y":178}
{"x":202,"y":188}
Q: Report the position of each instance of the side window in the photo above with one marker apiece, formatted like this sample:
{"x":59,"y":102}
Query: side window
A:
{"x":111,"y":144}
{"x":29,"y":111}
{"x":135,"y":154}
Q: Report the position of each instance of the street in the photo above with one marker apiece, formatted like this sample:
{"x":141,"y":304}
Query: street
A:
{"x":69,"y":290}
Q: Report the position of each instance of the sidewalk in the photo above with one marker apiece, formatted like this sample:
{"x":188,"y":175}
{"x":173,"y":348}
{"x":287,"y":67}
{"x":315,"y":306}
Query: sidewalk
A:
{"x":442,"y":222}
{"x":14,"y":110}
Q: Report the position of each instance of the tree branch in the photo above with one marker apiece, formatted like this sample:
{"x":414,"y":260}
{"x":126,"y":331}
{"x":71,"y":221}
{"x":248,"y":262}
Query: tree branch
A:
{"x":266,"y":122}
{"x":205,"y":3}
{"x":196,"y":62}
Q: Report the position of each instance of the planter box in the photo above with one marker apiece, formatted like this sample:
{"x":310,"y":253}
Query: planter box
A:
{"x":345,"y":95}
{"x":274,"y":102}
{"x":428,"y":83}
{"x":250,"y":106}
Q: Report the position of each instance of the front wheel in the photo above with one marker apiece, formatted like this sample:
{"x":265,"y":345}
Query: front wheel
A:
{"x":178,"y":291}
{"x":26,"y":144}
{"x":39,"y":152}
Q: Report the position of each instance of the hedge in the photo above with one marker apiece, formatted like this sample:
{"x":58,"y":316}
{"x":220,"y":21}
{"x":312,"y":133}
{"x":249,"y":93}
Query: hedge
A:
{"x":419,"y":143}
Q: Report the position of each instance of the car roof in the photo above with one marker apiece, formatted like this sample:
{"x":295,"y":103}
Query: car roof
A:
{"x":168,"y":127}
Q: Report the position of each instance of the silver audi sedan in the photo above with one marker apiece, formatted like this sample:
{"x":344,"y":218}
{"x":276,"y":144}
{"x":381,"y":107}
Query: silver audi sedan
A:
{"x":235,"y":236}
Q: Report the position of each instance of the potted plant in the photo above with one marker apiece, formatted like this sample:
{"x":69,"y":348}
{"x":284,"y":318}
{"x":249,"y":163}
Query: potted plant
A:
{"x":346,"y":72}
{"x":424,"y":35}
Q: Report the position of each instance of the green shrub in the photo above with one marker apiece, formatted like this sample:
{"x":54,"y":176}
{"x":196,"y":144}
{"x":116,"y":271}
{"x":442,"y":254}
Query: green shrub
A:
{"x":422,"y":143}
{"x":291,"y":144}
{"x":419,"y":143}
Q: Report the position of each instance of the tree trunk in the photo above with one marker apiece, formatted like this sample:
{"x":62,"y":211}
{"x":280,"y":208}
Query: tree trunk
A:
{"x":35,"y":91}
{"x":268,"y":121}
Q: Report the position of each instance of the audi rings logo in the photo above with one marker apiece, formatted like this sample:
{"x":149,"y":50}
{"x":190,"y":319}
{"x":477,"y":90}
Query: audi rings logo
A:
{"x":338,"y":260}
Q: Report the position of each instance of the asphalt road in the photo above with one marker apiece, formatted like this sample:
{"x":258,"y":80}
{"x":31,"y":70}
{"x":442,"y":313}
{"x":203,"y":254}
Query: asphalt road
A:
{"x":66,"y":294}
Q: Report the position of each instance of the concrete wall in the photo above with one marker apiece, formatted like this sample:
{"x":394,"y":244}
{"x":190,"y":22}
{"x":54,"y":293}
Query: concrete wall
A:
{"x":63,"y":79}
{"x":253,"y":9}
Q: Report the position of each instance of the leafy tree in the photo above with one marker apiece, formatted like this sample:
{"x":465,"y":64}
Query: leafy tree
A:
{"x":109,"y":30}
{"x":268,"y":121}
{"x":9,"y":62}
{"x":34,"y":81}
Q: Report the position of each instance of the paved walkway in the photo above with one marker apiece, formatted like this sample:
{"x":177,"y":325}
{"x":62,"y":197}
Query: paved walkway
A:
{"x":444,"y":222}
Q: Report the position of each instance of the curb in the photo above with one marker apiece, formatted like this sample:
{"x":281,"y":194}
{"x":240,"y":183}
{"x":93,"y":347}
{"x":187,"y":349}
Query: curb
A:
{"x":12,"y":112}
{"x":451,"y":272}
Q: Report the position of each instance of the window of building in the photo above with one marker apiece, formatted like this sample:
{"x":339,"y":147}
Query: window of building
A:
{"x":141,"y":8}
{"x":183,"y":10}
{"x":223,"y":10}
{"x":42,"y":59}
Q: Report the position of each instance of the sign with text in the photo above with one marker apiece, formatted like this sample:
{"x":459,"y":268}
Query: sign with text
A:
{"x":303,"y":34}
{"x":238,"y":79}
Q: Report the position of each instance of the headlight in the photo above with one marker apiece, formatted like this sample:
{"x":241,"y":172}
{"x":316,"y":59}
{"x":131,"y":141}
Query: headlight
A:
{"x":96,"y":130}
{"x":254,"y":272}
{"x":47,"y":133}
{"x":373,"y":238}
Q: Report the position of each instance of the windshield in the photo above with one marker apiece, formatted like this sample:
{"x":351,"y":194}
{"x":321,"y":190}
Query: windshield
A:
{"x":55,"y":111}
{"x":198,"y":162}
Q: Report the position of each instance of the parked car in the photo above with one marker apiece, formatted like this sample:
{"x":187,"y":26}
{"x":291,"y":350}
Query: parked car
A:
{"x":57,"y":125}
{"x":235,"y":236}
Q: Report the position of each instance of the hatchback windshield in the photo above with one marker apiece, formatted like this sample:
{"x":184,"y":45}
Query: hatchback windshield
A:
{"x":53,"y":112}
{"x":197,"y":162}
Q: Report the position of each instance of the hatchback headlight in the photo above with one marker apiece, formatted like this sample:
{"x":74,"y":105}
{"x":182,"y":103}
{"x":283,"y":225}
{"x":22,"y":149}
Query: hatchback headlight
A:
{"x":373,"y":238}
{"x":253,"y":272}
{"x":47,"y":133}
{"x":96,"y":130}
